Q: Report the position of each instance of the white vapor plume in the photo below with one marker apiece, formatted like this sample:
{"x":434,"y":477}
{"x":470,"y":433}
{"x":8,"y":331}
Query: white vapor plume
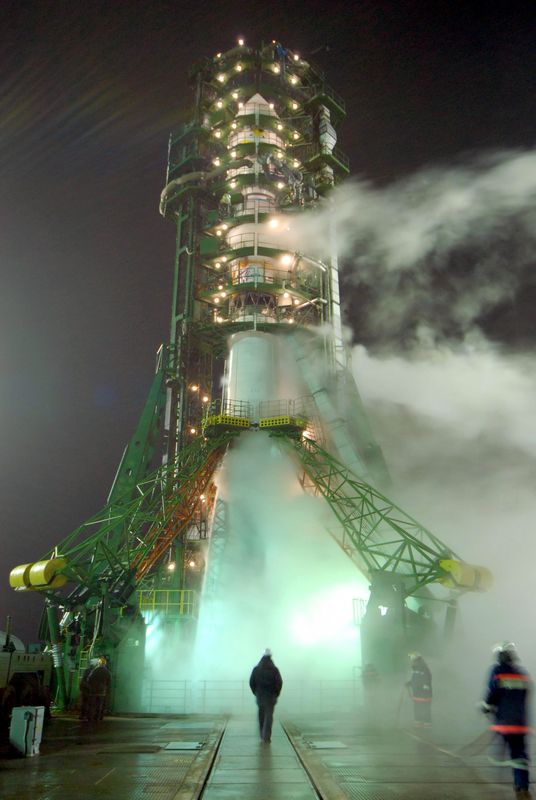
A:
{"x":457,"y":425}
{"x":447,"y":243}
{"x":282,"y":582}
{"x":472,"y":388}
{"x":285,"y":583}
{"x":453,"y":414}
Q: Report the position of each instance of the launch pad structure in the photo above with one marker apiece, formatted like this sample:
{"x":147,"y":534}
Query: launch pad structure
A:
{"x":256,"y":349}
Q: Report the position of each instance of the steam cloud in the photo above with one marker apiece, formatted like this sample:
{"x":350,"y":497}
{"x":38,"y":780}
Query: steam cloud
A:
{"x":458,"y":429}
{"x":443,"y":246}
{"x":453,"y":413}
{"x":282,"y":583}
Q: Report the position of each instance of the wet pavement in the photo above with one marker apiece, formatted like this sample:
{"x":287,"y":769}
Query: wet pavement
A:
{"x":218,"y":758}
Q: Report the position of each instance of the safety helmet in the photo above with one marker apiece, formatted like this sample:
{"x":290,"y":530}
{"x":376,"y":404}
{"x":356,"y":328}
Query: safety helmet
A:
{"x":505,"y":653}
{"x":267,"y":652}
{"x":504,"y":648}
{"x":414,"y":655}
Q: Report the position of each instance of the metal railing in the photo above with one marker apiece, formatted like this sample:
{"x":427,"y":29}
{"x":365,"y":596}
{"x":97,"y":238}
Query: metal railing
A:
{"x":213,"y":697}
{"x":309,"y":151}
{"x":173,"y":602}
{"x":236,"y":241}
{"x":252,"y":313}
{"x":248,"y":135}
{"x":253,"y":204}
{"x":261,"y":272}
{"x":256,"y":108}
{"x":299,"y":407}
{"x":329,"y":92}
{"x":263,"y":205}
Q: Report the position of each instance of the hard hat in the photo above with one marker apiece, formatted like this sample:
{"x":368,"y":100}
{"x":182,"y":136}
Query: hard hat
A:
{"x":413,"y":656}
{"x":267,"y":652}
{"x":504,"y":648}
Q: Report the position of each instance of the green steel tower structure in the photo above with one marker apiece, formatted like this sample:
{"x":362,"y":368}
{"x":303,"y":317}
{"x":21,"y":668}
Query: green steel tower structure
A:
{"x":256,"y":348}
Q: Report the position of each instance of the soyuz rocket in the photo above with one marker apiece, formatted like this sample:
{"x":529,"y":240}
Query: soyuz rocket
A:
{"x":256,"y":323}
{"x":256,"y":344}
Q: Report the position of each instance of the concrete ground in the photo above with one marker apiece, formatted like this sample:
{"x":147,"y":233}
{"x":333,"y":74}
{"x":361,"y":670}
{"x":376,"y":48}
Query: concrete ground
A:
{"x":216,"y":758}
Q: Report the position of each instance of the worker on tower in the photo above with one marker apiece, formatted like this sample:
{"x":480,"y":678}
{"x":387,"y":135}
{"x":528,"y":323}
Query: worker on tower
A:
{"x":506,"y":698}
{"x":420,"y":688}
{"x":280,"y":55}
{"x":266,"y":683}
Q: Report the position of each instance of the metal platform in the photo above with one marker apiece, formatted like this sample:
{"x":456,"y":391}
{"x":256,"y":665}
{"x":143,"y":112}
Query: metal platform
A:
{"x":220,"y":758}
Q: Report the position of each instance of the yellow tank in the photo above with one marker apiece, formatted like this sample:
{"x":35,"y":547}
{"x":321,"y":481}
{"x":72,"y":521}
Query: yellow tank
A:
{"x":40,"y":575}
{"x":465,"y":576}
{"x":19,"y":577}
{"x":43,"y":573}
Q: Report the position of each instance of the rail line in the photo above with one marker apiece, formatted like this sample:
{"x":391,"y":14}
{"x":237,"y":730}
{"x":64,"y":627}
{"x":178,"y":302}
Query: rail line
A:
{"x":241,"y":763}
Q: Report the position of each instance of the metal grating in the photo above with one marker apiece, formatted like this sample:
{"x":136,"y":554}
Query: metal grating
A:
{"x":326,"y":745}
{"x":141,"y":748}
{"x":183,"y":725}
{"x":346,"y":773}
{"x":146,"y":782}
{"x":355,"y":792}
{"x":164,"y":776}
{"x":184,"y":746}
{"x":153,"y":790}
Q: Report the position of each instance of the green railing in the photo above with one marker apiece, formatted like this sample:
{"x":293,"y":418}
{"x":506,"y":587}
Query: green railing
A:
{"x":172,"y":602}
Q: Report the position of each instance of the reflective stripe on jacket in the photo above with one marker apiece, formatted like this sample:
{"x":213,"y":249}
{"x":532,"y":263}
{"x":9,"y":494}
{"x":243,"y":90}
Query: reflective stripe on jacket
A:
{"x":421,"y":681}
{"x":508,"y":691}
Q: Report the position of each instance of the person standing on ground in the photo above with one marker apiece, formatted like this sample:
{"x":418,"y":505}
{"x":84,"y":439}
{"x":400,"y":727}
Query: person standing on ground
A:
{"x":506,"y":697}
{"x":99,"y":682}
{"x":266,"y":683}
{"x":84,"y":689}
{"x":420,"y":687}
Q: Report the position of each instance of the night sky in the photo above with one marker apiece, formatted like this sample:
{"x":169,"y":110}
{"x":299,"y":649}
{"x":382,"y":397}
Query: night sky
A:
{"x":88,"y":95}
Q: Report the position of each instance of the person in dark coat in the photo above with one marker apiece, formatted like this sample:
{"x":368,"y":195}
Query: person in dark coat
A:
{"x":420,"y":687}
{"x":506,"y":698}
{"x":99,"y":682}
{"x":266,"y":683}
{"x":84,"y":689}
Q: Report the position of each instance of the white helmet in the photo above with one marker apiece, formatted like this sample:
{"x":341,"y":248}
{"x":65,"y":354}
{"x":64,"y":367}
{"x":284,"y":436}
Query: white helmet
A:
{"x":504,"y":648}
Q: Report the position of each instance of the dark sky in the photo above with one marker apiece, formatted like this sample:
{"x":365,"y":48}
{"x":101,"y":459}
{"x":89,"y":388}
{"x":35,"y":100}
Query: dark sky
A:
{"x":88,"y":94}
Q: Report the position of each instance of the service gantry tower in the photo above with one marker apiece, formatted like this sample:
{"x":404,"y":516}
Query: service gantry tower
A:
{"x":256,"y":347}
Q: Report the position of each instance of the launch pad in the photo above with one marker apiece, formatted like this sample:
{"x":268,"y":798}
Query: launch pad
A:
{"x":256,"y":354}
{"x":216,"y":758}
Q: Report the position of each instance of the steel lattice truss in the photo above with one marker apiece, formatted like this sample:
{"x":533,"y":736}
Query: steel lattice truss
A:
{"x":113,"y":550}
{"x":373,"y":531}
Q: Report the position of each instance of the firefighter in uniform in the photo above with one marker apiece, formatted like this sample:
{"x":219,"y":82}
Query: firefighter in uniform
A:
{"x":95,"y":689}
{"x":506,"y":698}
{"x":420,"y":688}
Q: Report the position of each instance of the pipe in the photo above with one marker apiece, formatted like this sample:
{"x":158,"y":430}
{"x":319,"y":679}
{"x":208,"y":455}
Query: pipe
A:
{"x":5,"y":648}
{"x":57,"y":655}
